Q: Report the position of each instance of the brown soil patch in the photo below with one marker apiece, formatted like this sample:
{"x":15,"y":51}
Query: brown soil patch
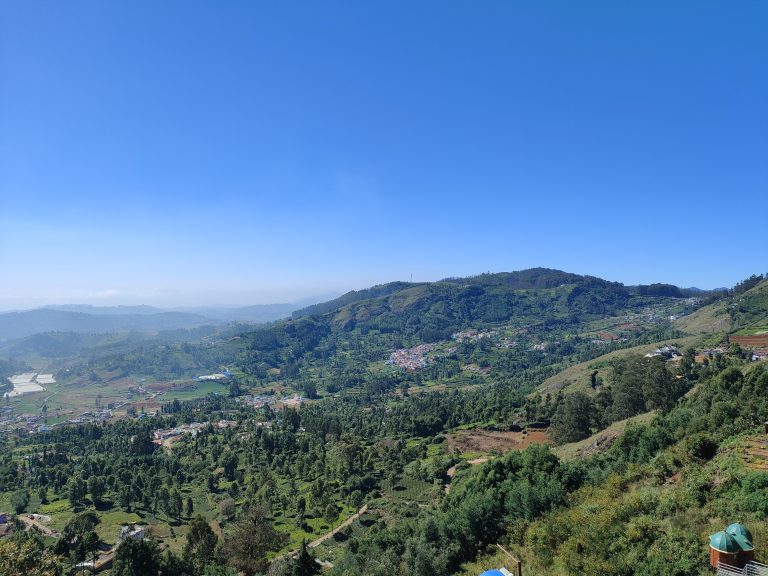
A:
{"x":122,"y":383}
{"x":493,"y":441}
{"x":749,"y":341}
{"x":607,"y":336}
{"x":756,"y":453}
{"x":600,"y":444}
{"x":165,"y":386}
{"x":475,"y":368}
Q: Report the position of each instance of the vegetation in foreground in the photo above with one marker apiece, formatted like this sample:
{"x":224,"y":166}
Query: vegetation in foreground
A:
{"x":234,"y":498}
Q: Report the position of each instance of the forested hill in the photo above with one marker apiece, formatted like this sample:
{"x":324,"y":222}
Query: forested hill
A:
{"x":522,"y":308}
{"x":530,"y":279}
{"x":432,"y":311}
{"x":352,"y":297}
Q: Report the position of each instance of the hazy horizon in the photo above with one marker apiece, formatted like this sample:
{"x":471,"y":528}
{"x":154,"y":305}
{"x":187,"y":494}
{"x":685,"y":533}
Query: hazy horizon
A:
{"x":171,"y":300}
{"x":181,"y":154}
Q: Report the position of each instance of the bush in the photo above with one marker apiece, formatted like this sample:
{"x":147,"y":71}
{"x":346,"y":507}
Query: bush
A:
{"x":700,"y":447}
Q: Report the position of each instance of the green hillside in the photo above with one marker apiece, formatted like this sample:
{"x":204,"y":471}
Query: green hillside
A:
{"x":422,"y":436}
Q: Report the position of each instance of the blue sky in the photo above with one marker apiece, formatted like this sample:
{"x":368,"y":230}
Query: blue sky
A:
{"x":182,"y":153}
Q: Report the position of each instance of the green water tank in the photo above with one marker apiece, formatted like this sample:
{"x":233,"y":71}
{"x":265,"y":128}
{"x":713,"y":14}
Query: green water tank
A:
{"x":737,"y":529}
{"x":724,"y":542}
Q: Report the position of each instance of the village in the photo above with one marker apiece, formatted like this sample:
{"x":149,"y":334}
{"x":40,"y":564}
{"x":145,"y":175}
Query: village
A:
{"x":411,"y":358}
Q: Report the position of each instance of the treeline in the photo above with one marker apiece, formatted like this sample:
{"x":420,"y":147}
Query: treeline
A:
{"x":653,"y":494}
{"x":474,"y":515}
{"x":748,"y":283}
{"x":561,"y":515}
{"x":308,"y":462}
{"x":635,"y":385}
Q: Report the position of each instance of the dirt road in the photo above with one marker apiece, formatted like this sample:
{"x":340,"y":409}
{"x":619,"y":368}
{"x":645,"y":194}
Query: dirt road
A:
{"x":451,"y":472}
{"x":324,"y":537}
{"x":32,"y":523}
{"x":347,"y":522}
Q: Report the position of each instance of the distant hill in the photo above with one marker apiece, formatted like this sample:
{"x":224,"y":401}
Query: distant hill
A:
{"x":352,"y":297}
{"x":455,"y":302}
{"x":672,"y":291}
{"x":105,"y":310}
{"x":256,"y":314}
{"x":378,"y":317}
{"x":743,"y":311}
{"x":21,"y":324}
{"x":89,"y":319}
{"x":530,"y":279}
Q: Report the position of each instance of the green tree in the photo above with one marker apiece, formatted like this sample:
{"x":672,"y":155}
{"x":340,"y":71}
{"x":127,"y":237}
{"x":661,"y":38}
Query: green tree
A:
{"x":250,"y":541}
{"x":304,"y":564}
{"x":227,"y":508}
{"x":136,"y":557}
{"x":573,"y":418}
{"x":25,"y":558}
{"x":91,"y":544}
{"x":76,"y":492}
{"x":97,"y":488}
{"x":627,"y":384}
{"x":200,"y":547}
{"x":330,"y":513}
{"x":19,"y":501}
{"x":174,"y":504}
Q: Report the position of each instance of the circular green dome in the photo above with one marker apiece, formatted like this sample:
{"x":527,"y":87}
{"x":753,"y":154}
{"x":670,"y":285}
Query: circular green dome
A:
{"x":724,"y":542}
{"x":737,"y":529}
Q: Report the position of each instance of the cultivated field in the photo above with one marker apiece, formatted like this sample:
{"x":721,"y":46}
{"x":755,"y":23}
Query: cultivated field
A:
{"x":491,"y":441}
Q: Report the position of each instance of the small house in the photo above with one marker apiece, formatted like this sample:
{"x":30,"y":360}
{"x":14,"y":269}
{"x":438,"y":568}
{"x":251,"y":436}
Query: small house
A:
{"x":731,"y":547}
{"x":130,"y":532}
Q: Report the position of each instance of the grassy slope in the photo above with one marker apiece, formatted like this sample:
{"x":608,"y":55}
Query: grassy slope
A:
{"x":705,"y":320}
{"x":708,"y":321}
{"x":752,"y":314}
{"x":603,"y":438}
{"x":576,"y":378}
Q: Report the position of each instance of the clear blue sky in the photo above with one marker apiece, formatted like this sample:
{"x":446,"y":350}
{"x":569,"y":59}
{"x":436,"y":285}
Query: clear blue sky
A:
{"x":242,"y":152}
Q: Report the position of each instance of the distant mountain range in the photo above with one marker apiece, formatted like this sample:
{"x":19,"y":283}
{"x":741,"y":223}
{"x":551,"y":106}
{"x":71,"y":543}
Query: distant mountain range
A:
{"x":88,"y":319}
{"x":21,"y":324}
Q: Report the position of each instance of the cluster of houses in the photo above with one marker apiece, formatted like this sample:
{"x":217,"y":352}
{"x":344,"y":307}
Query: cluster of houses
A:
{"x":163,"y":434}
{"x":277,"y":400}
{"x":669,"y":352}
{"x":473,"y":335}
{"x":411,"y":358}
{"x":91,"y":416}
{"x":217,"y":377}
{"x":18,"y":422}
{"x":294,"y":401}
{"x":259,"y":401}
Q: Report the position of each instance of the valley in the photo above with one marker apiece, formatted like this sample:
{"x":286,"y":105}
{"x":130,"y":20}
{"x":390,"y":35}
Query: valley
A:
{"x":385,"y":430}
